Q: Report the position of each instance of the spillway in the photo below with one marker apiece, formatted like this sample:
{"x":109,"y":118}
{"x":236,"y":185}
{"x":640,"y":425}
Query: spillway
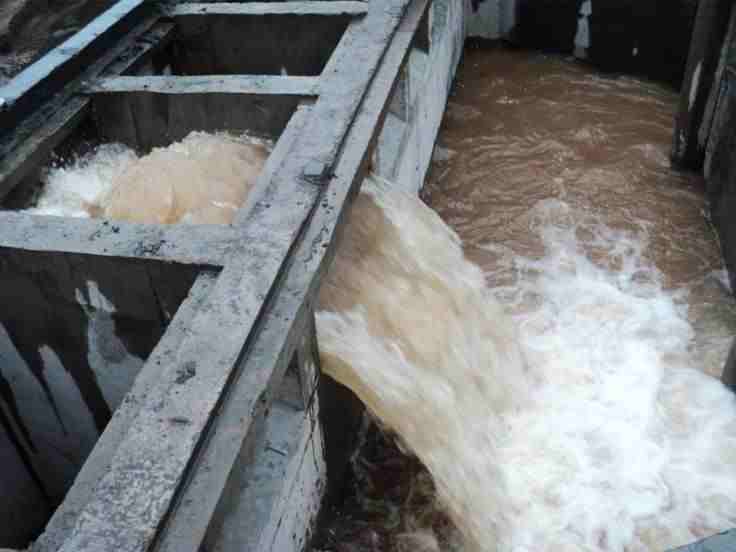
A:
{"x":184,"y":292}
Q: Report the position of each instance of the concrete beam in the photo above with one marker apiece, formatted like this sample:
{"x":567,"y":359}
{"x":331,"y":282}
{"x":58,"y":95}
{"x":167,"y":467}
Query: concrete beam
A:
{"x":53,"y":71}
{"x":204,"y":245}
{"x":98,"y":463}
{"x":147,"y":474}
{"x":211,"y":84}
{"x":334,"y":7}
{"x":24,"y":151}
{"x":188,"y":453}
{"x":285,"y":320}
{"x":154,"y":111}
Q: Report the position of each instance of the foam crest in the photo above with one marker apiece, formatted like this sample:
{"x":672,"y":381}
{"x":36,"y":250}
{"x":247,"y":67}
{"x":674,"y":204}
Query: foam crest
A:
{"x":203,"y":179}
{"x":623,"y":413}
{"x":406,"y":324}
{"x":590,"y":429}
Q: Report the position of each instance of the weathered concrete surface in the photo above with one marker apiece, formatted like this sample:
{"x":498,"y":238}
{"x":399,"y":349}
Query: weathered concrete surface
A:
{"x":123,"y":517}
{"x":154,"y":111}
{"x":431,"y":78}
{"x":720,"y":159}
{"x":714,"y":126}
{"x":306,"y":7}
{"x":274,"y":497}
{"x":29,"y":146}
{"x":52,"y":72}
{"x":206,"y":430}
{"x":490,"y":19}
{"x":198,"y":245}
{"x":301,"y":284}
{"x":404,"y":150}
{"x":74,"y":334}
{"x":711,"y":23}
{"x":220,"y":43}
{"x":123,"y":419}
{"x":266,"y":85}
{"x":29,"y":28}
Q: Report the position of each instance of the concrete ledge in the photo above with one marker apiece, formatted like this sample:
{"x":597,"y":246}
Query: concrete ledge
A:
{"x":206,"y":245}
{"x":24,"y":151}
{"x":334,"y":7}
{"x":98,"y":464}
{"x":214,"y":84}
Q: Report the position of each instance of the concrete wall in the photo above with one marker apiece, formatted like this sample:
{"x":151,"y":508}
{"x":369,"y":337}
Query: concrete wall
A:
{"x":615,"y":35}
{"x":718,"y":136}
{"x":275,"y":492}
{"x":27,"y":508}
{"x":73,"y":338}
{"x":404,"y":150}
{"x":288,"y":477}
{"x":491,"y":19}
{"x":302,"y":454}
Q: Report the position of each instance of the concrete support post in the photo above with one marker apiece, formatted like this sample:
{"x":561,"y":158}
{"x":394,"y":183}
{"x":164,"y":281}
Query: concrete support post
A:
{"x":705,"y":48}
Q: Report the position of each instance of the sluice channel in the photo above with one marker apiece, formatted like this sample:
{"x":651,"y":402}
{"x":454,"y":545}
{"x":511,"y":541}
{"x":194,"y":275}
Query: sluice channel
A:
{"x":351,"y":276}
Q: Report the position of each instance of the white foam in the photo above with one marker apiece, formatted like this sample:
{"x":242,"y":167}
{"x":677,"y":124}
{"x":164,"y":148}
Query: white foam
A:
{"x":591,"y":429}
{"x":70,"y":190}
{"x":628,"y":444}
{"x":202,"y":179}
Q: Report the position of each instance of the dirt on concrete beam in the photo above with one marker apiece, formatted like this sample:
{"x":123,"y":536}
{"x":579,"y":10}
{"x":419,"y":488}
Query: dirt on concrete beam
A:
{"x":30,"y":28}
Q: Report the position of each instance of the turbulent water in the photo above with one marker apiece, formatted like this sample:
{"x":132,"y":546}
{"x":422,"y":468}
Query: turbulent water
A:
{"x":540,"y":336}
{"x":559,"y":395}
{"x":203,"y":179}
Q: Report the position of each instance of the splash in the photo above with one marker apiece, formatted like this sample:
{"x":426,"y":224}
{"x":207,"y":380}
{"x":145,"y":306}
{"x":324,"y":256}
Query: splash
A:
{"x":204,"y":178}
{"x":588,"y":429}
{"x":415,"y":337}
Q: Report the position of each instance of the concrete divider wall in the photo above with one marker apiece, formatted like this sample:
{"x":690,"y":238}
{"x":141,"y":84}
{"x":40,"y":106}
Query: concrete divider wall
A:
{"x":287,"y":482}
{"x":404,"y":150}
{"x":74,"y":334}
{"x":402,"y":154}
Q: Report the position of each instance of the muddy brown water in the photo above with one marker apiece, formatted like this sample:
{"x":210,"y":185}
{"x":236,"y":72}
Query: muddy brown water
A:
{"x":522,"y":130}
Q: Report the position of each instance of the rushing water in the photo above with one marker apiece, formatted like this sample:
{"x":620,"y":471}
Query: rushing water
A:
{"x":582,"y":418}
{"x":204,"y":178}
{"x":540,"y":336}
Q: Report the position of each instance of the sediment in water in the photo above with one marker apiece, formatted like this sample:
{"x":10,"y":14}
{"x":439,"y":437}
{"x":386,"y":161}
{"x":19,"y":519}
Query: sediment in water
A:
{"x":591,"y":429}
